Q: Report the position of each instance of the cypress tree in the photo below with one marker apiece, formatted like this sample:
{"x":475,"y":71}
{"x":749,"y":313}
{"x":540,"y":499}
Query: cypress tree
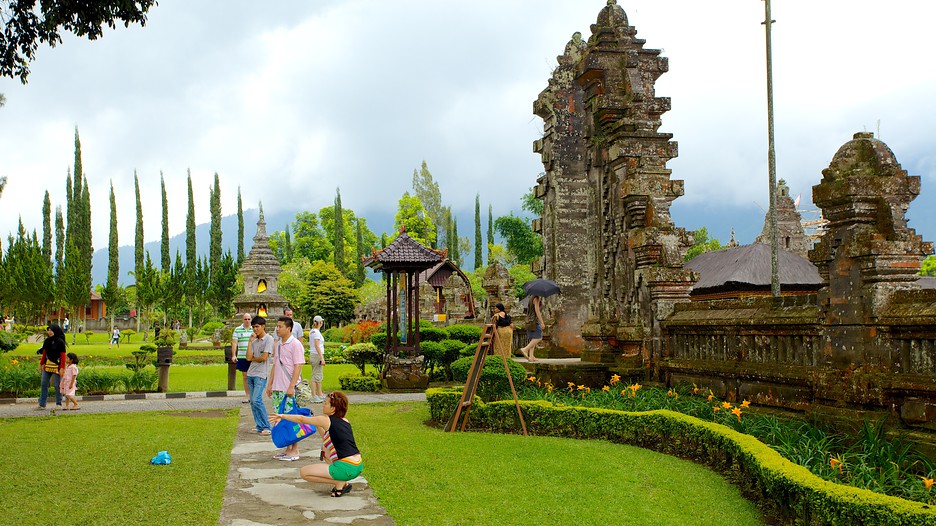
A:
{"x":453,"y":249}
{"x":240,"y":229}
{"x":112,"y":288}
{"x":287,"y":245}
{"x":339,"y":234}
{"x":490,"y":232}
{"x":47,"y":228}
{"x":191,"y":260}
{"x":59,"y":251}
{"x":138,"y":261}
{"x":477,"y":249}
{"x":359,"y":260}
{"x":214,"y":247}
{"x":164,"y":262}
{"x":87,"y":249}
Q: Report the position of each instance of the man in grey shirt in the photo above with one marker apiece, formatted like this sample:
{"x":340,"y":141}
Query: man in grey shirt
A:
{"x":259,"y":355}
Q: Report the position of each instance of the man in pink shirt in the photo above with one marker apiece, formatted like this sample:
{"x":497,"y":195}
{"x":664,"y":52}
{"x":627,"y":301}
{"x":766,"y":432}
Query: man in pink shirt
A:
{"x":288,"y":358}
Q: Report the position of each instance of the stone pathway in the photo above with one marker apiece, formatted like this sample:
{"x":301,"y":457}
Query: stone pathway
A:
{"x":260,"y":490}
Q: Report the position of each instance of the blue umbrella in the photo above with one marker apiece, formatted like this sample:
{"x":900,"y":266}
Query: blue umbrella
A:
{"x":543,"y":288}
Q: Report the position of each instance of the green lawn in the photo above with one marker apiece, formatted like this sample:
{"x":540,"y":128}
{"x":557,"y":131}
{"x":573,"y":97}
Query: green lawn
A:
{"x":425,"y":476}
{"x":94,"y":469}
{"x":187,"y":378}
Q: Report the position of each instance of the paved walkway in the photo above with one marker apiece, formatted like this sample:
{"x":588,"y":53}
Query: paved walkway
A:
{"x":260,"y":490}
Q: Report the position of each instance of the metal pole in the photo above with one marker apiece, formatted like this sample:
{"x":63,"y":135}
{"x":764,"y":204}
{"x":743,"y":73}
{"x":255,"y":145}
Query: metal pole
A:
{"x":771,"y":161}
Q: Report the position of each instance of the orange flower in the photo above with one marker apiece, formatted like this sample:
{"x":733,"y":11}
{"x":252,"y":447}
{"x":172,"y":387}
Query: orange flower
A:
{"x":716,"y":408}
{"x":615,"y":379}
{"x":549,"y":387}
{"x":836,"y":463}
{"x":571,"y":385}
{"x":539,"y":384}
{"x":726,"y":405}
{"x":745,"y":404}
{"x":927,"y":482}
{"x":532,"y":378}
{"x":710,"y":397}
{"x":737,"y":412}
{"x":581,"y":388}
{"x":606,"y":388}
{"x":624,"y":391}
{"x":695,"y":390}
{"x":13,"y":362}
{"x":669,"y":393}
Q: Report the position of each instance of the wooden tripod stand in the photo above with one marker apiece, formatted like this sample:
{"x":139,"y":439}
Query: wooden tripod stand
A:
{"x":486,"y":344}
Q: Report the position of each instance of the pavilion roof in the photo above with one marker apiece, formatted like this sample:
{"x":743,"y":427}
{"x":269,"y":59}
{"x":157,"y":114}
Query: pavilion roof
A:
{"x":405,"y":253}
{"x":749,"y":265}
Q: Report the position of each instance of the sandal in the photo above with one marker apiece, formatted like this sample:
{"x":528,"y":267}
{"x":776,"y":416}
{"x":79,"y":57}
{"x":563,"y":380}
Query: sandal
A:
{"x":335,"y":492}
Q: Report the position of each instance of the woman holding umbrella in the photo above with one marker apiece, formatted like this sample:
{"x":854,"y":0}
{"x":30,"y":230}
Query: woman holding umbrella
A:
{"x":536,"y":335}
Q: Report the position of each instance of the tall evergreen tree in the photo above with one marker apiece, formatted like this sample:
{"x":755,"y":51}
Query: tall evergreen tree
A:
{"x":47,"y":228}
{"x":214,"y":247}
{"x":110,"y":293}
{"x":138,"y":248}
{"x":191,"y":259}
{"x":490,"y":232}
{"x":455,"y":253}
{"x":87,"y":249}
{"x":287,"y":248}
{"x":164,"y":262}
{"x":359,"y":275}
{"x":478,"y":262}
{"x":450,"y":241}
{"x":339,"y":234}
{"x":240,"y":229}
{"x":59,"y":252}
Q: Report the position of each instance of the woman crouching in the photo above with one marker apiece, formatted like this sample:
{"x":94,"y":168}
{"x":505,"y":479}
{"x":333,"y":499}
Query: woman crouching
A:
{"x":342,"y":458}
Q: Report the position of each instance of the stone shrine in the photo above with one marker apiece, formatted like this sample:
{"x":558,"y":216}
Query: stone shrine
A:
{"x":260,"y":271}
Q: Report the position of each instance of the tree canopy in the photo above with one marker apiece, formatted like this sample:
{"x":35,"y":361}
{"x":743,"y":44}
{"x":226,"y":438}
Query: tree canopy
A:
{"x":522,"y":242}
{"x":24,"y":26}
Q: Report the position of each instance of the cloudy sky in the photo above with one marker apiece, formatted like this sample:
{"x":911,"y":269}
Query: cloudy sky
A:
{"x":293,"y":99}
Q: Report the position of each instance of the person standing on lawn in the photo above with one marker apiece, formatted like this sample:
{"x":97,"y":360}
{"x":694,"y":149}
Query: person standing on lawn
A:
{"x":52,"y":364}
{"x":70,"y":382}
{"x":317,"y":358}
{"x":297,"y":327}
{"x":288,"y":358}
{"x":240,"y":340}
{"x":115,"y":338}
{"x":342,"y":458}
{"x":261,"y":348}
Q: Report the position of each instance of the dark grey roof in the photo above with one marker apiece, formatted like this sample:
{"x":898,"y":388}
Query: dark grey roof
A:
{"x":750,"y":265}
{"x":405,"y":251}
{"x":927,"y":282}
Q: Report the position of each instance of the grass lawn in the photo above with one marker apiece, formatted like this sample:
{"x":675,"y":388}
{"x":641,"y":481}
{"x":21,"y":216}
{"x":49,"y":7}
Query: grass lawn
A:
{"x":94,"y":469}
{"x":425,"y":476}
{"x":187,"y":378}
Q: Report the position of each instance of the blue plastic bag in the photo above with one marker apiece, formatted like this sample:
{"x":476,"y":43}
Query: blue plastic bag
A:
{"x":286,"y":433}
{"x":161,"y":458}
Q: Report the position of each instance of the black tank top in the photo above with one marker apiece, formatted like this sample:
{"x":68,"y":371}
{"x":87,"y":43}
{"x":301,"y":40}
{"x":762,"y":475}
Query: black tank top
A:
{"x":342,"y":437}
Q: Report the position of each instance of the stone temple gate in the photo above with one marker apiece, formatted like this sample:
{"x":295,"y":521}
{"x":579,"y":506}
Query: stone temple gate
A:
{"x":864,"y":344}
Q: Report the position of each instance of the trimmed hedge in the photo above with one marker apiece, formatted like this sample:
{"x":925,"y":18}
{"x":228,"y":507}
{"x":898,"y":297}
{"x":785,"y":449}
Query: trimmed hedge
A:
{"x":464,"y":333}
{"x":493,"y":384}
{"x":357,"y":382}
{"x":791,"y":494}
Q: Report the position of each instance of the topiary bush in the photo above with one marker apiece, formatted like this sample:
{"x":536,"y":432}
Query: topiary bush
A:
{"x":209,"y":328}
{"x":333,"y":335}
{"x":8,"y":342}
{"x":493,"y":384}
{"x":364,"y":354}
{"x":356,"y":382}
{"x":464,"y":333}
{"x":469,"y":349}
{"x":431,"y":334}
{"x":379,"y":339}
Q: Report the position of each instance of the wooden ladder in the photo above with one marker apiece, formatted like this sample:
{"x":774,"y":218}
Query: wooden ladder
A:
{"x":486,"y":344}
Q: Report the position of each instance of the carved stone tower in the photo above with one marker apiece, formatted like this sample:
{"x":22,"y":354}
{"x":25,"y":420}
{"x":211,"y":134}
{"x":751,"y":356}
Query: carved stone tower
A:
{"x":868,"y":252}
{"x":790,"y":233}
{"x":566,"y":225}
{"x":260,"y":271}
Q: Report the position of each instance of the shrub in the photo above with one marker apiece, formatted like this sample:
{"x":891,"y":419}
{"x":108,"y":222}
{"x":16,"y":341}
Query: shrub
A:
{"x":19,"y":377}
{"x":356,"y":382}
{"x":209,"y":328}
{"x":469,"y":349}
{"x":127,"y":333}
{"x":167,"y":338}
{"x":364,"y":354}
{"x":493,"y":384}
{"x":191,"y":332}
{"x":464,"y":333}
{"x":334,"y":353}
{"x":432,"y":334}
{"x":228,"y":333}
{"x":8,"y":342}
{"x":95,"y":381}
{"x":433,"y":353}
{"x":333,"y":335}
{"x":148,"y":347}
{"x":379,"y":339}
{"x":139,"y":381}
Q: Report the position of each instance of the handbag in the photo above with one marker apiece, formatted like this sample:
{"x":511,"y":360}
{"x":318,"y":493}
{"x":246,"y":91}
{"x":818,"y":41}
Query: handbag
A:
{"x":302,"y":390}
{"x":286,"y":433}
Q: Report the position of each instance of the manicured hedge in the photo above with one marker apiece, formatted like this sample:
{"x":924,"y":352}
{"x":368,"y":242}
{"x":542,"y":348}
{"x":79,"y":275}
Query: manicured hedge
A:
{"x":357,"y":382}
{"x":789,"y":493}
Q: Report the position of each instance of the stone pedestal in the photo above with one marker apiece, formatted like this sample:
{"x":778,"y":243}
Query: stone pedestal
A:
{"x":404,"y":373}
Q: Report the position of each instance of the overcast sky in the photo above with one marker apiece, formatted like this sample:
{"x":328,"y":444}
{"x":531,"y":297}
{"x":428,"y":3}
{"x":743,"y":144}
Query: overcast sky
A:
{"x":290,"y":99}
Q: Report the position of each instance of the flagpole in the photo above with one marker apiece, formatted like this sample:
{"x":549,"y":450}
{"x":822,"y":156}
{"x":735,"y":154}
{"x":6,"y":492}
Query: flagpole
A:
{"x":771,"y":160}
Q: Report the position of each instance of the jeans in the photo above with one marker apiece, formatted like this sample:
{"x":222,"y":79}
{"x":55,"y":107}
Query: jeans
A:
{"x":256,"y":385}
{"x":44,"y":393}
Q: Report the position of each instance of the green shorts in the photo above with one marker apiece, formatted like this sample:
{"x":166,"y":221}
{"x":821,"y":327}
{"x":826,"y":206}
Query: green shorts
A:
{"x":341,"y":470}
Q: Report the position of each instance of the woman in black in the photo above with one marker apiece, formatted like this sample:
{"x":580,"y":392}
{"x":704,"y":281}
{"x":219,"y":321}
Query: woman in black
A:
{"x":52,"y":364}
{"x":342,"y":459}
{"x":503,"y":345}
